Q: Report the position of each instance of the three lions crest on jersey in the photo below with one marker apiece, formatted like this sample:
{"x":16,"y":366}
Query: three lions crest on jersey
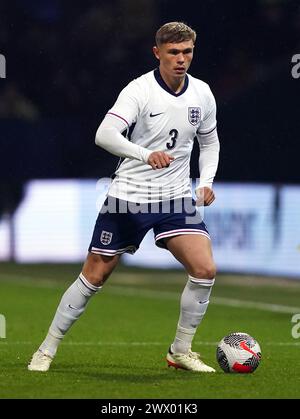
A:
{"x":194,"y":115}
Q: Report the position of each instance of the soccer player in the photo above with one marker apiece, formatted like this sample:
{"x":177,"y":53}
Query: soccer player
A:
{"x":163,"y":111}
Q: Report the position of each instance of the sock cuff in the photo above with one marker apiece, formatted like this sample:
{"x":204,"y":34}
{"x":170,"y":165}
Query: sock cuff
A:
{"x":87,"y":285}
{"x":201,"y":281}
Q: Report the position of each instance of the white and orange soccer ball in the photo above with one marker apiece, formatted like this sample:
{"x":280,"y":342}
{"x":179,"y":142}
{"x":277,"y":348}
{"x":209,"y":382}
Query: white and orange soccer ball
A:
{"x":239,"y":353}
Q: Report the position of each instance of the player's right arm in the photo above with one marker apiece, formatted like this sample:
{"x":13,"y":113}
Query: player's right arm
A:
{"x":160,"y":159}
{"x":125,"y":112}
{"x":109,"y":137}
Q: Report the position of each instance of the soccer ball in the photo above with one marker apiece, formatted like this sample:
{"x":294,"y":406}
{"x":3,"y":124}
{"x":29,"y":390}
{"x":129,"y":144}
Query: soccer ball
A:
{"x":238,"y":352}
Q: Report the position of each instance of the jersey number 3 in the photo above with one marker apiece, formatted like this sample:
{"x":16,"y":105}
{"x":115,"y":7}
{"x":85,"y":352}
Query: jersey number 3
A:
{"x":174,"y":134}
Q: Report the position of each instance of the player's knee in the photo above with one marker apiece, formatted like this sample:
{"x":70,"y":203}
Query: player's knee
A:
{"x":94,"y":277}
{"x":97,"y":277}
{"x":210,"y":271}
{"x":97,"y":270}
{"x":207,"y":271}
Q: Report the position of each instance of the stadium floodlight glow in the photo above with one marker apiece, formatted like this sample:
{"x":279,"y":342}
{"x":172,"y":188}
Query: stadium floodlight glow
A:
{"x":2,"y":67}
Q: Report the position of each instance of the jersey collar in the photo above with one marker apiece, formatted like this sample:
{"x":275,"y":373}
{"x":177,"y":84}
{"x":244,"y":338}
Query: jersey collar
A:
{"x":164,"y":85}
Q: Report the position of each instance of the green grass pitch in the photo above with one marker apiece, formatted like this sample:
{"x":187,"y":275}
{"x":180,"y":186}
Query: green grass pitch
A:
{"x":117,"y":349}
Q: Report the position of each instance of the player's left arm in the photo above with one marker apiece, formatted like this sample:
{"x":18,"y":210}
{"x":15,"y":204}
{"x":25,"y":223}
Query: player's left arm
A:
{"x":209,"y":146}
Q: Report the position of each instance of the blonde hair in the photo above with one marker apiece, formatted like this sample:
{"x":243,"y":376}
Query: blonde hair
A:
{"x":174,"y":32}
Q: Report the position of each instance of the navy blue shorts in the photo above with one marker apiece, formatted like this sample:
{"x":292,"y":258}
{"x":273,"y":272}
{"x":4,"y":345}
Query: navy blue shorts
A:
{"x":122,"y":225}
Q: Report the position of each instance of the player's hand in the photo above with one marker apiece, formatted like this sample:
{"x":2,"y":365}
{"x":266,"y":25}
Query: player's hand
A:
{"x":205,"y":196}
{"x":160,"y":159}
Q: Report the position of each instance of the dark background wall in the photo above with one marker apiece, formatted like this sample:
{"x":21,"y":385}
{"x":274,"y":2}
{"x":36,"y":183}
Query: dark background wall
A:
{"x":68,"y":60}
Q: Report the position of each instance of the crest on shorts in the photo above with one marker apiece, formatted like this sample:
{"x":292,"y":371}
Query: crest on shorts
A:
{"x":106,"y":237}
{"x":194,"y":115}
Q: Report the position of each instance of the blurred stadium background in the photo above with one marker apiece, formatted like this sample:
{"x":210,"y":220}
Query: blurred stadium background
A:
{"x":66,"y":62}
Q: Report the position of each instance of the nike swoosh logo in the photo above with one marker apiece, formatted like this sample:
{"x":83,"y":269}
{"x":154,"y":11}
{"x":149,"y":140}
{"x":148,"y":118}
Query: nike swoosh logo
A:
{"x":73,"y":308}
{"x":244,"y":346}
{"x":155,"y":114}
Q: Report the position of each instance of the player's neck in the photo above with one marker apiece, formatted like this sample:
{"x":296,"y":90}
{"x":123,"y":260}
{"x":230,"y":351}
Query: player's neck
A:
{"x":176,"y":84}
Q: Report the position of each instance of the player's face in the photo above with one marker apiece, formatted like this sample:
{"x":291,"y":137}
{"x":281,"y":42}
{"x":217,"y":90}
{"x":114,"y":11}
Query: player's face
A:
{"x":175,"y":59}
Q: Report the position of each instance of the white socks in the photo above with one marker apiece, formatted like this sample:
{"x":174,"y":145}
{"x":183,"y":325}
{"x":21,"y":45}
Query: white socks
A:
{"x":72,"y":305}
{"x":193,"y":305}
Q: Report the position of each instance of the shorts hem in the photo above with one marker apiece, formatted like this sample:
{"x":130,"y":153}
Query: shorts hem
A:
{"x":111,"y":252}
{"x":159,"y":237}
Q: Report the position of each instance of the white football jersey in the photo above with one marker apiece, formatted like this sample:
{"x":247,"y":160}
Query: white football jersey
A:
{"x":160,"y":120}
